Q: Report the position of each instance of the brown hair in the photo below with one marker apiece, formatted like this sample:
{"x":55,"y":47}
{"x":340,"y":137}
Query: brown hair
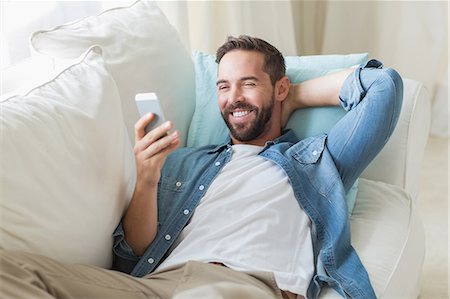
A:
{"x":273,"y":59}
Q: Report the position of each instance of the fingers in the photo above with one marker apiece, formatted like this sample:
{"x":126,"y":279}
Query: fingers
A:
{"x":152,"y":148}
{"x":163,"y":145}
{"x":139,"y":127}
{"x":153,"y":136}
{"x":170,"y":148}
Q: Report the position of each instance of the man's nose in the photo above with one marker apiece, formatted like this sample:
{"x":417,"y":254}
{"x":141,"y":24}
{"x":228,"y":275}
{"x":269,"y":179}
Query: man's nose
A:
{"x":235,"y":95}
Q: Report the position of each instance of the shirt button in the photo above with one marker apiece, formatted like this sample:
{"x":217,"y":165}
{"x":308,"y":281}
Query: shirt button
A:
{"x":201,"y":187}
{"x":217,"y":163}
{"x":167,"y":237}
{"x":178,"y":184}
{"x":314,"y":153}
{"x":150,"y":261}
{"x":185,"y":212}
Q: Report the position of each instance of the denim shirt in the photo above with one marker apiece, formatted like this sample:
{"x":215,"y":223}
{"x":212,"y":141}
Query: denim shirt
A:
{"x":320,"y":169}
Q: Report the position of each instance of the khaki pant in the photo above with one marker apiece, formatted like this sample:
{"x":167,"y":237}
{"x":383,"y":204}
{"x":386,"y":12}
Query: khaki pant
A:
{"x":29,"y":276}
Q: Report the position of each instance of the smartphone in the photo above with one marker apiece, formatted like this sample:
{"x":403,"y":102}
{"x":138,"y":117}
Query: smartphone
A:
{"x":148,"y":102}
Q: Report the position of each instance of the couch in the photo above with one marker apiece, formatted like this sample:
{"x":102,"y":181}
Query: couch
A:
{"x":67,"y":135}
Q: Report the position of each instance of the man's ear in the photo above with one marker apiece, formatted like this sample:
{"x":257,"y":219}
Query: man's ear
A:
{"x":282,"y":89}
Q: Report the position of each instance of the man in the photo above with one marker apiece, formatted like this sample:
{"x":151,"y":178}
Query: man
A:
{"x":262,"y":215}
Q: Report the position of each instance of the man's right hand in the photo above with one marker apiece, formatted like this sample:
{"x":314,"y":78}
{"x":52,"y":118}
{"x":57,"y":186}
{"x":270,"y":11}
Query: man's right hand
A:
{"x":152,"y":148}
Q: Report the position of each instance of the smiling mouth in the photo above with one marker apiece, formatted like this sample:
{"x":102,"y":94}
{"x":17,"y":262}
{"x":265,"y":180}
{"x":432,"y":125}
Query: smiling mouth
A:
{"x":240,"y":113}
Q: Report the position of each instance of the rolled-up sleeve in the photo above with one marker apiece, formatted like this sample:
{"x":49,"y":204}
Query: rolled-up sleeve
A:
{"x":124,"y":259}
{"x":373,"y":97}
{"x":352,"y":91}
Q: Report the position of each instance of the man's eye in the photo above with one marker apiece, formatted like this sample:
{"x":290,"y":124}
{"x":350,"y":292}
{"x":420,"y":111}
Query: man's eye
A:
{"x":249,"y":84}
{"x":222,"y":87}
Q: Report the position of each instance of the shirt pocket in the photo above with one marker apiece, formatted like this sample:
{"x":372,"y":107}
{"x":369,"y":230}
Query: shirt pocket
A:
{"x":171,"y":184}
{"x":316,"y":163}
{"x":171,"y":194}
{"x":309,"y":150}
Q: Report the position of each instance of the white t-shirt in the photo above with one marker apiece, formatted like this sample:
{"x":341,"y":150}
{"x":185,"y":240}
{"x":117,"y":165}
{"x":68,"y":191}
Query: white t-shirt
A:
{"x":249,"y":220}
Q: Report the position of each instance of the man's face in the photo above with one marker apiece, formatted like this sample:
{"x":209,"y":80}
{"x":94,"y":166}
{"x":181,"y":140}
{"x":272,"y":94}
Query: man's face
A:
{"x":246,"y":95}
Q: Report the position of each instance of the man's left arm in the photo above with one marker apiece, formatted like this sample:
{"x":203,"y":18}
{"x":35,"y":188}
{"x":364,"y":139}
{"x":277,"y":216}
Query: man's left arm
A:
{"x":372,"y":95}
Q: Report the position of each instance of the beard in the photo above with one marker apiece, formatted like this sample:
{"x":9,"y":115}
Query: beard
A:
{"x":257,"y":127}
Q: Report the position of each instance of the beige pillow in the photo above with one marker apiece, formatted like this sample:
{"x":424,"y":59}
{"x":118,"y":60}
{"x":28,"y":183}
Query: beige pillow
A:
{"x":142,"y":51}
{"x":67,"y":165}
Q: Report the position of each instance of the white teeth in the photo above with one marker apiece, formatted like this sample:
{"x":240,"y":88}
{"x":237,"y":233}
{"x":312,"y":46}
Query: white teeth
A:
{"x":240,"y":113}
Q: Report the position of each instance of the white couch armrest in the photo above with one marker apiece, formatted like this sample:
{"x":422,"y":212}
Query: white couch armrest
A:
{"x":400,"y":160}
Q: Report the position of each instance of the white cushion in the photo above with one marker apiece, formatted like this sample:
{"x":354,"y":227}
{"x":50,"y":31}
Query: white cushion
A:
{"x":388,"y":237}
{"x":67,"y":166}
{"x":142,"y":51}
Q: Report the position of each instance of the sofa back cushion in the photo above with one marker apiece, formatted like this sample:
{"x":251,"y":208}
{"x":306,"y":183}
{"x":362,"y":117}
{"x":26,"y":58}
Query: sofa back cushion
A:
{"x":142,"y":51}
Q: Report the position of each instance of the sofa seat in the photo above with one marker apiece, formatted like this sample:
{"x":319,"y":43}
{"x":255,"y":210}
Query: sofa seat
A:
{"x":389,"y":237}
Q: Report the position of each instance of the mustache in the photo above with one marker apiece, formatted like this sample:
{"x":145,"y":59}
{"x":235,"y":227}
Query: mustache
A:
{"x":239,"y":105}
